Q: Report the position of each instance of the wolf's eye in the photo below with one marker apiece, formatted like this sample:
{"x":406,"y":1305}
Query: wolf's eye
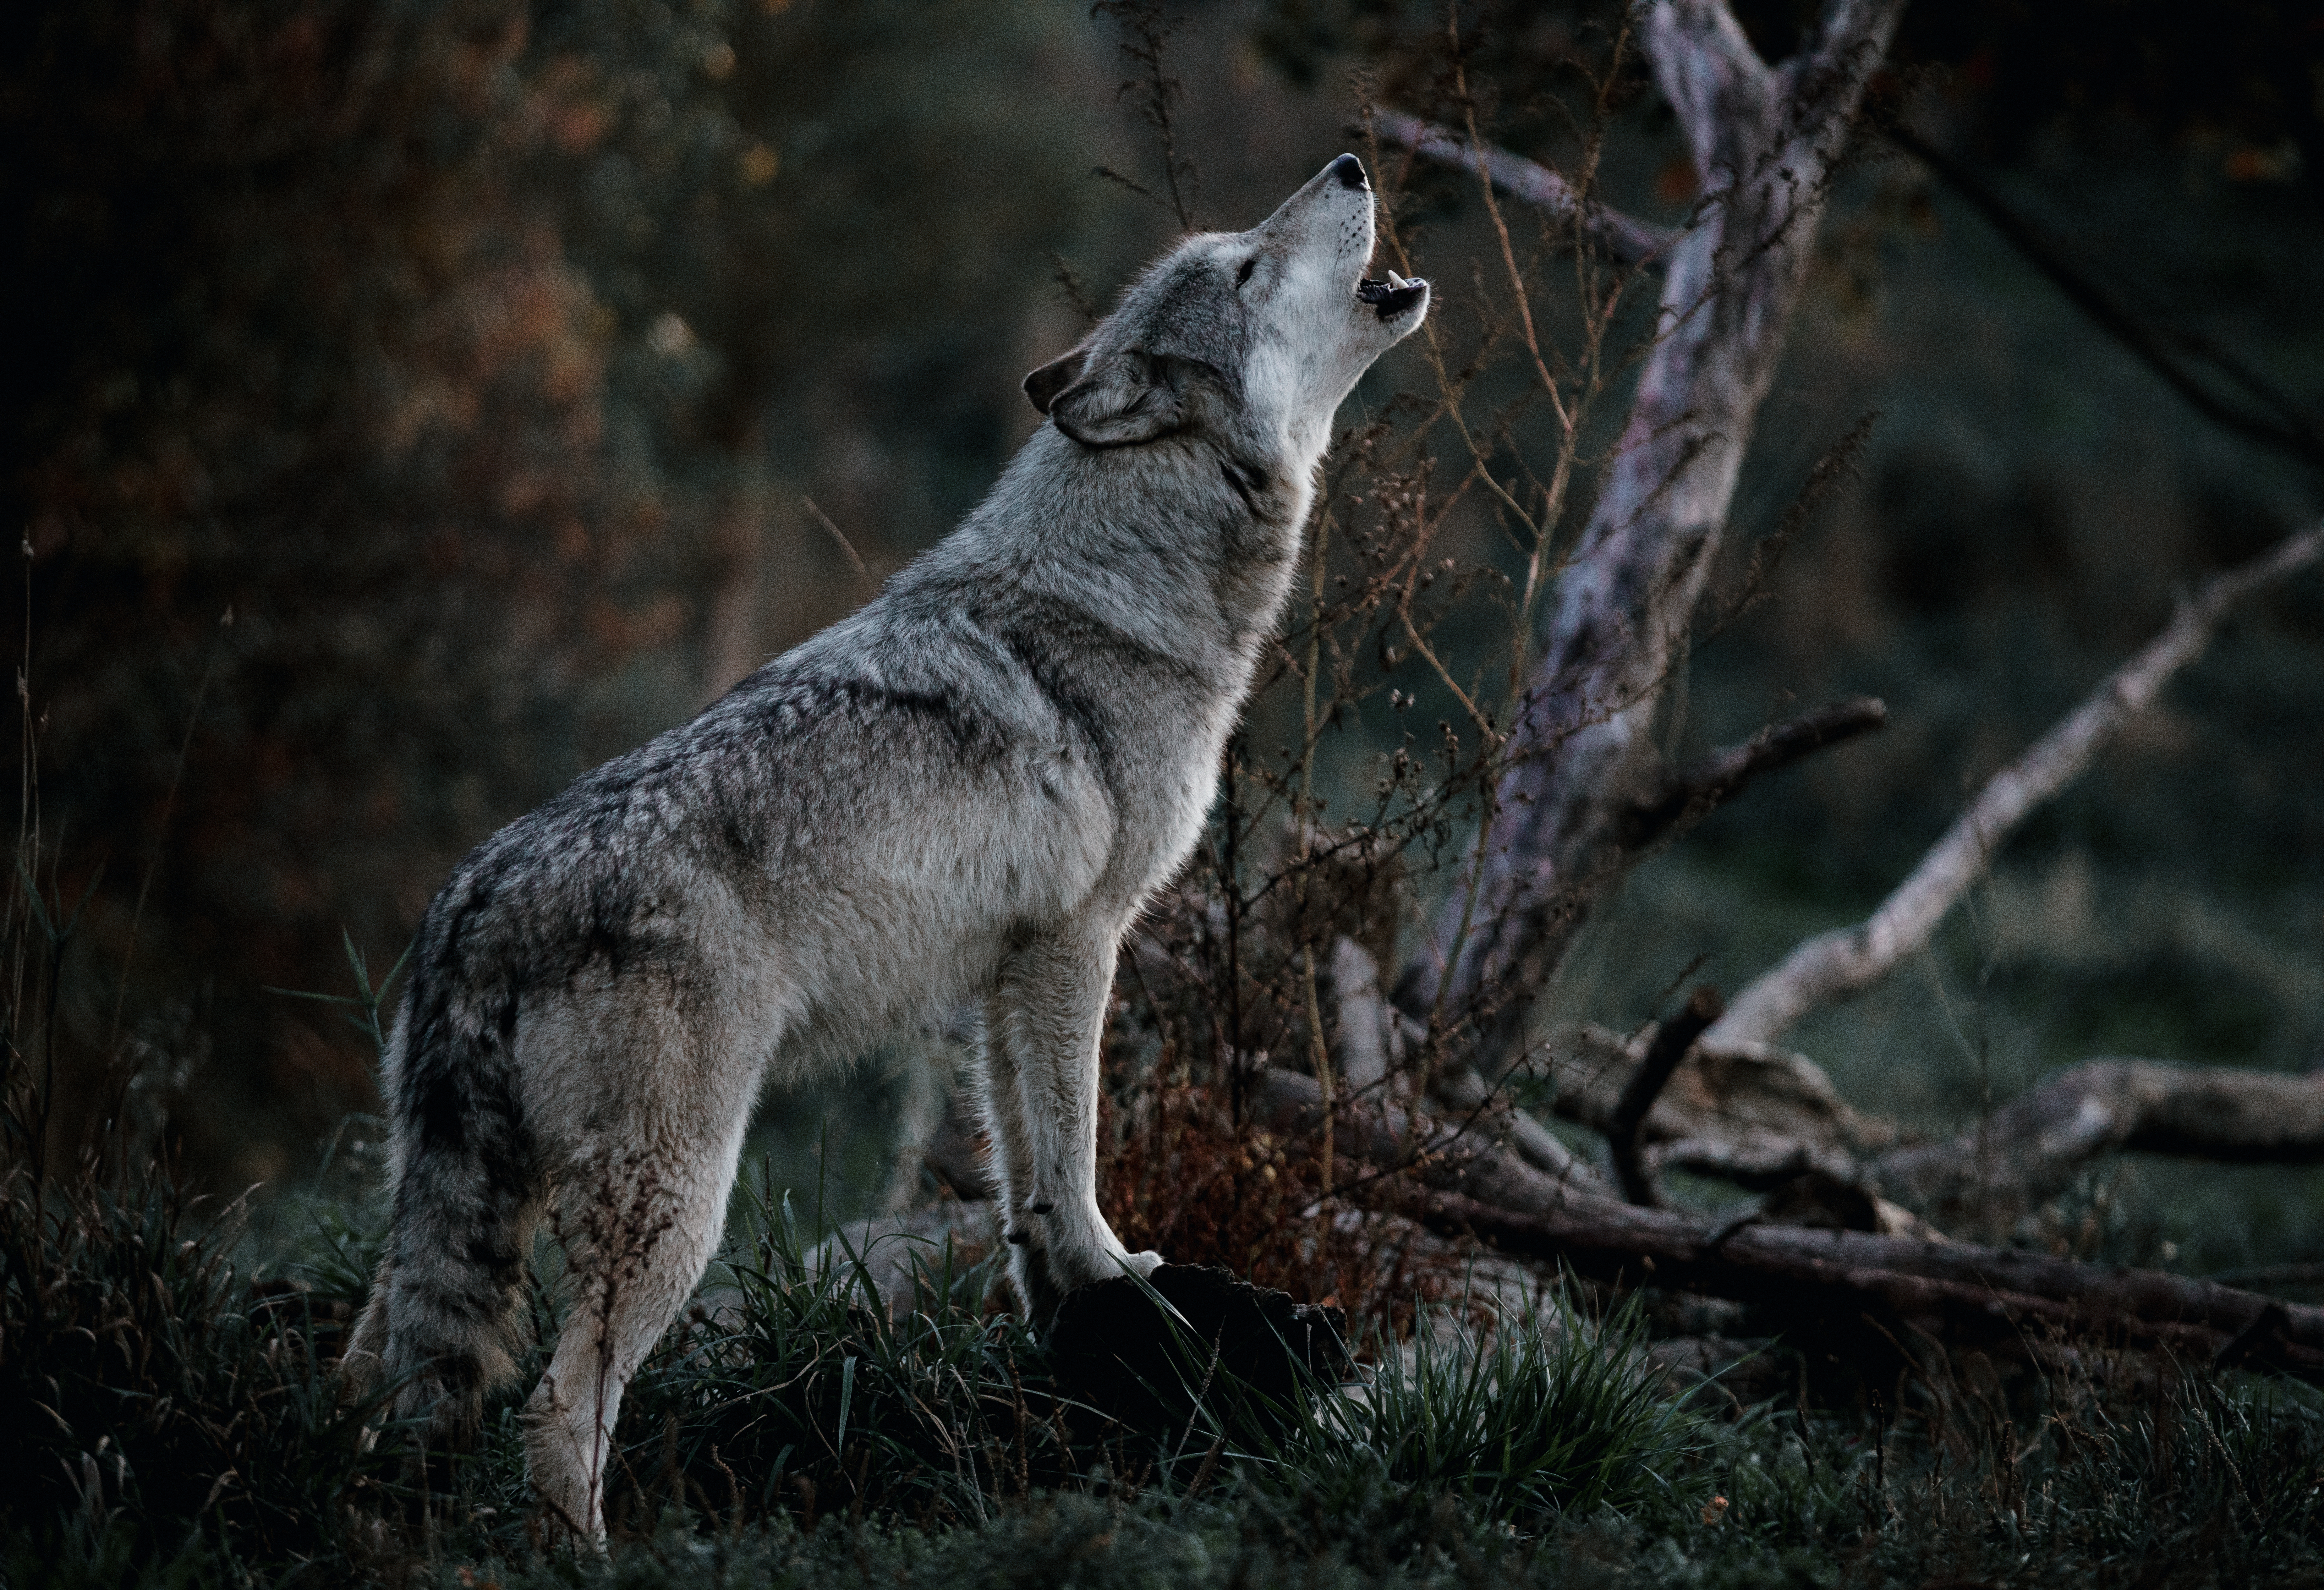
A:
{"x":1249,"y":265}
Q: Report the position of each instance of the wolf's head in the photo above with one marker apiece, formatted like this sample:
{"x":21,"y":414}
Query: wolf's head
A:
{"x":1254,"y":337}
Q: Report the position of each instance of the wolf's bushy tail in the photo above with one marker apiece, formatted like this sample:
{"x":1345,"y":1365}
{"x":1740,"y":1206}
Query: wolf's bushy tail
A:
{"x":441,"y":1323}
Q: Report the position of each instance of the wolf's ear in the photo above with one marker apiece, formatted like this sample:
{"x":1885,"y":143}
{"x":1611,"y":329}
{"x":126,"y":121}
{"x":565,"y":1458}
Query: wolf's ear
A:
{"x":1044,"y":384}
{"x":1124,"y":399}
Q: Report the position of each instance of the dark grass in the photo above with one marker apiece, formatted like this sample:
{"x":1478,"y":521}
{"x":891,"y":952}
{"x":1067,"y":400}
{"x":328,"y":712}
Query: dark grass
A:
{"x":171,"y":1419}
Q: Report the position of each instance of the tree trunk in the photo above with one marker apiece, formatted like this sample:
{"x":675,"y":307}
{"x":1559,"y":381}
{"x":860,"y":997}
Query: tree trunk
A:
{"x":1580,"y":754}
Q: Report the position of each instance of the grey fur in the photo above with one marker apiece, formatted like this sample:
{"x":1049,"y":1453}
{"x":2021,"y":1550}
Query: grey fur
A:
{"x":968,"y":789}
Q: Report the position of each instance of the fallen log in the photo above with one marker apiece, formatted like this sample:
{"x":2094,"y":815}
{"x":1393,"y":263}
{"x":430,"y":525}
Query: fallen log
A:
{"x":2031,"y":1148}
{"x":1995,"y":1299}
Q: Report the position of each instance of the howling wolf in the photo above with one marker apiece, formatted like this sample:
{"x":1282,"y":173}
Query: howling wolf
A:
{"x":968,"y":789}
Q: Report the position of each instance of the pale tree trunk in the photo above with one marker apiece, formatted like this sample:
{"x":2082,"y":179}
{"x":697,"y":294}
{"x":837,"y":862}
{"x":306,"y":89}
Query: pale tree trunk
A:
{"x":1765,"y":142}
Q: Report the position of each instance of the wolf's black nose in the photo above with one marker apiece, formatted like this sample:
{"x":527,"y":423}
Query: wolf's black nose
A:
{"x":1350,"y":171}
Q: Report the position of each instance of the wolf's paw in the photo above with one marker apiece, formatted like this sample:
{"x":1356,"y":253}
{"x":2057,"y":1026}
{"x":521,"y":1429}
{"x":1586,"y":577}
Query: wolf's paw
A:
{"x":1100,"y":1260}
{"x":1039,"y":1290}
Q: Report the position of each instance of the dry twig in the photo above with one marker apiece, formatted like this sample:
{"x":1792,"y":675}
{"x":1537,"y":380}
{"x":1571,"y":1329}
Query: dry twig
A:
{"x":1625,"y":238}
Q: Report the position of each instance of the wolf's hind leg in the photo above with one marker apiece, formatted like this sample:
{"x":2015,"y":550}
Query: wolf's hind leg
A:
{"x":637,"y":1236}
{"x":366,"y":1348}
{"x":1053,"y":996}
{"x":1001,"y":1101}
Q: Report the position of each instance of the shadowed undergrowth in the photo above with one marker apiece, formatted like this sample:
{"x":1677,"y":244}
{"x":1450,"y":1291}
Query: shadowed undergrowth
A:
{"x":172,"y":1419}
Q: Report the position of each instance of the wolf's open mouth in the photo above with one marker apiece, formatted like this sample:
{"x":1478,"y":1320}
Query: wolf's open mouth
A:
{"x":1392,"y":297}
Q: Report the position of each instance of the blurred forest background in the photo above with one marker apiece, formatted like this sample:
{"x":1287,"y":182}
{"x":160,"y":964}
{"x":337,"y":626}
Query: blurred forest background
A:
{"x":410,"y":405}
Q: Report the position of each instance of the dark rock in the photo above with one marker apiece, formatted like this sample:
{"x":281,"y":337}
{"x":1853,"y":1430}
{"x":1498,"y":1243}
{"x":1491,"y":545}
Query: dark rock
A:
{"x":1120,"y":1355}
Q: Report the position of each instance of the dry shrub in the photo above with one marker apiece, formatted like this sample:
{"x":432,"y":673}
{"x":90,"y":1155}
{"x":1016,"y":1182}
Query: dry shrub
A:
{"x":1191,"y":1182}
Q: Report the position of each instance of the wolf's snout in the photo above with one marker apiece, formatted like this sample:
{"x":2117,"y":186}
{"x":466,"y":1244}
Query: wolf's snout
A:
{"x":1392,"y":297}
{"x":1350,"y":171}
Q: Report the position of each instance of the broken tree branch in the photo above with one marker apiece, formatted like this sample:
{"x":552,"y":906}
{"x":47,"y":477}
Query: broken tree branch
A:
{"x":2031,"y":1148}
{"x":1631,"y":241}
{"x":1756,"y":1098}
{"x":1845,"y":961}
{"x":1673,"y":800}
{"x":1670,"y":1046}
{"x":1759,"y":1116}
{"x":1694,"y":790}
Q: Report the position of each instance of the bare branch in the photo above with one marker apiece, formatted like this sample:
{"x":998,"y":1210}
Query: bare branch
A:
{"x":1436,"y":1152}
{"x":1759,"y":1116}
{"x":1534,"y":1144}
{"x":1372,"y":1040}
{"x":1718,"y":778}
{"x":1625,"y":238}
{"x":1845,"y":961}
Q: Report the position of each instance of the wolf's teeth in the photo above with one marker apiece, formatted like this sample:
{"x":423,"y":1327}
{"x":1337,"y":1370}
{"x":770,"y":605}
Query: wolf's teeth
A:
{"x":1396,"y":280}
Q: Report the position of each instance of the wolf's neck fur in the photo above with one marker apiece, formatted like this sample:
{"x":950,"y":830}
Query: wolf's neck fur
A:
{"x":1187,"y":546}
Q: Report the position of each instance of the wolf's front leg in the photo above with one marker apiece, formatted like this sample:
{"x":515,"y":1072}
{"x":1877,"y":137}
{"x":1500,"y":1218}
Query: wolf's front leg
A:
{"x":1042,"y":1026}
{"x":1002,"y":1102}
